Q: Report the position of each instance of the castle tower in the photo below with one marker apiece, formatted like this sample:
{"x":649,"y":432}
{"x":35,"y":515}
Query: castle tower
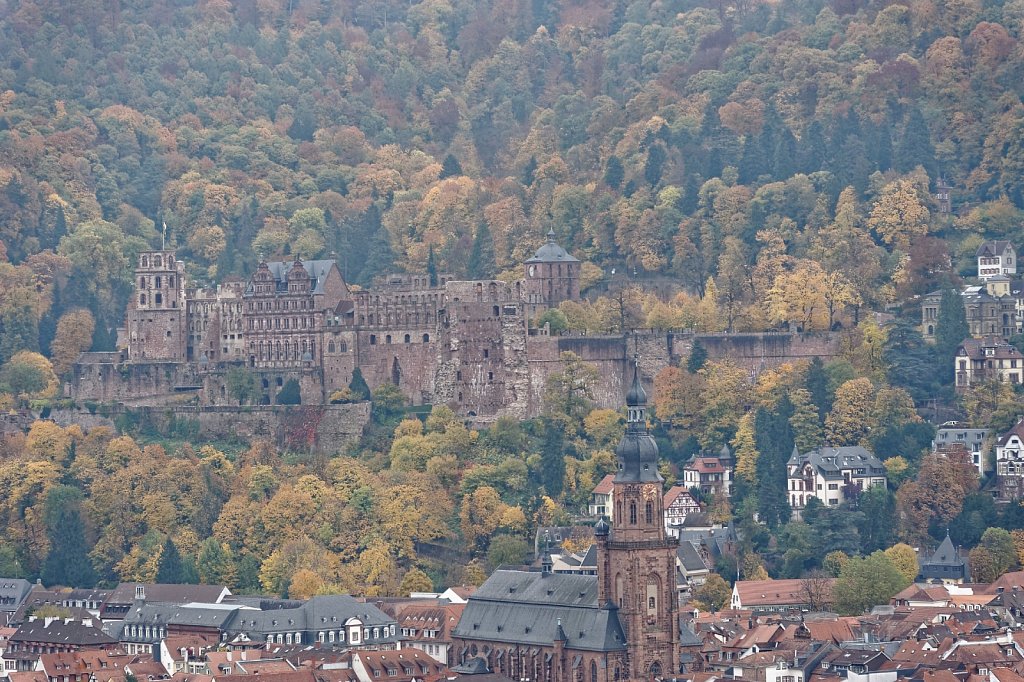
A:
{"x":636,"y":557}
{"x":155,"y":323}
{"x":552,"y":276}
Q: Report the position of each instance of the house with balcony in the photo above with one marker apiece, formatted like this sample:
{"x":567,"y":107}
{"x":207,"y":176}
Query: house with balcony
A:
{"x":832,"y":475}
{"x":989,"y":358}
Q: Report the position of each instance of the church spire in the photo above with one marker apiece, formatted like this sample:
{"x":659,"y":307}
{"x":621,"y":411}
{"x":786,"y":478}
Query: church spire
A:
{"x":637,"y":452}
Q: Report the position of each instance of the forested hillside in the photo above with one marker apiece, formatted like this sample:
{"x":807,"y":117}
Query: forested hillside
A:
{"x":759,"y":164}
{"x":673,"y":138}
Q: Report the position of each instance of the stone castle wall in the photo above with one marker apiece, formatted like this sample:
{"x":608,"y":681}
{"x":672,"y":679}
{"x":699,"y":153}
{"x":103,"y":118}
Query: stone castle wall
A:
{"x":483,"y":365}
{"x":330,"y":428}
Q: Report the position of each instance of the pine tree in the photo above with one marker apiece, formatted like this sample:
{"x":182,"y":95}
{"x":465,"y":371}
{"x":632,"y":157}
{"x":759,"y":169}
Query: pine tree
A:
{"x":481,"y":256}
{"x":698,"y":357}
{"x":811,"y":154}
{"x":529,"y":172}
{"x":751,"y":161}
{"x":775,"y":444}
{"x":360,"y":390}
{"x":655,"y":164}
{"x":951,"y":329}
{"x":784,"y":160}
{"x":552,"y":461}
{"x":915,"y":147}
{"x":68,"y":562}
{"x":614,"y":172}
{"x":450,"y":167}
{"x":432,"y":266}
{"x":816,"y":382}
{"x":379,"y":257}
{"x":170,"y":570}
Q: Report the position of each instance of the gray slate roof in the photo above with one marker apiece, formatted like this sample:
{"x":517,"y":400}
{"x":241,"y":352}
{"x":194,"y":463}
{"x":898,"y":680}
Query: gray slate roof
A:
{"x":689,"y":557}
{"x":525,"y":608}
{"x":831,"y":462}
{"x":551,"y":252}
{"x":992,"y":248}
{"x":317,"y":270}
{"x":320,"y":613}
{"x":73,"y":632}
{"x":12,"y":593}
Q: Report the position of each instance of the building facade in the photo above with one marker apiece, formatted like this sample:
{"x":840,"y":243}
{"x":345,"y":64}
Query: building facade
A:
{"x":621,"y":624}
{"x":996,"y":258}
{"x":987,"y":359}
{"x":975,"y":442}
{"x":832,"y":475}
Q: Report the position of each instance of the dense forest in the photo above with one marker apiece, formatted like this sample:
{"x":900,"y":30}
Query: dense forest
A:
{"x":759,"y":164}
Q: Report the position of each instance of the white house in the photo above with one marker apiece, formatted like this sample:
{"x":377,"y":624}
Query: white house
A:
{"x":833,"y":475}
{"x":996,"y":258}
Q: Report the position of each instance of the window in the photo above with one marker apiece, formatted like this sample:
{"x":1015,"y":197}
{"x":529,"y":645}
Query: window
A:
{"x":632,"y":513}
{"x":649,"y":513}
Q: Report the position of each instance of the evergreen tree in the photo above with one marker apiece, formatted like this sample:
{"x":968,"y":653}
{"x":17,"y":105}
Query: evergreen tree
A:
{"x":552,"y":463}
{"x":811,"y":150}
{"x":951,"y":329}
{"x":450,"y":167}
{"x":915,"y":147}
{"x":170,"y":570}
{"x":529,"y":172}
{"x":432,"y":266}
{"x":878,"y":525}
{"x":881,"y":151}
{"x":303,"y":126}
{"x":360,"y":390}
{"x":784,"y":159}
{"x":655,"y":164}
{"x":614,"y":173}
{"x":290,"y":393}
{"x":68,"y":562}
{"x":481,"y":256}
{"x":698,"y":357}
{"x":909,"y":360}
{"x":775,"y":444}
{"x":751,"y":161}
{"x":379,"y":257}
{"x":816,"y":383}
{"x":18,"y":332}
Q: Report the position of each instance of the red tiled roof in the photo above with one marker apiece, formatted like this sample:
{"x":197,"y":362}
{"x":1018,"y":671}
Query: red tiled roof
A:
{"x":706,"y":465}
{"x":605,"y":486}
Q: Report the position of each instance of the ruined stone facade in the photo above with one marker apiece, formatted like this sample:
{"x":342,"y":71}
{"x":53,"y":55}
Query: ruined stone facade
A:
{"x":467,"y":344}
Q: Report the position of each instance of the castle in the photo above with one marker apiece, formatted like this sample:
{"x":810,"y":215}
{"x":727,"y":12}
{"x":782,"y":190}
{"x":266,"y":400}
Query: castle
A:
{"x":468,"y":344}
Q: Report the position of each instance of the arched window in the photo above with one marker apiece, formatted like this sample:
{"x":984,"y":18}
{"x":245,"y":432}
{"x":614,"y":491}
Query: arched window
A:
{"x":158,"y":282}
{"x":632,"y":513}
{"x":387,"y":338}
{"x":142,"y":299}
{"x":145,"y":261}
{"x":408,"y":338}
{"x":157,"y":261}
{"x":593,"y":671}
{"x":344,"y":347}
{"x":649,"y":513}
{"x":330,"y":346}
{"x":655,"y":669}
{"x":426,"y":338}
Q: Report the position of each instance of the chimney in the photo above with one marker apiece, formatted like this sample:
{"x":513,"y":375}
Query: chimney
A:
{"x":140,"y":592}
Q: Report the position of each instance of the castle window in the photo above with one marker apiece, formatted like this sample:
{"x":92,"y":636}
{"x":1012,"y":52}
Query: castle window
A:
{"x":170,"y":281}
{"x":387,"y":339}
{"x":426,"y":338}
{"x":632,"y":513}
{"x":497,"y":311}
{"x":142,"y":282}
{"x":373,"y":339}
{"x":145,"y":261}
{"x":650,"y":513}
{"x":157,"y":261}
{"x":158,"y":282}
{"x":142,"y":299}
{"x":158,"y":299}
{"x":330,"y":346}
{"x":490,"y":376}
{"x":408,"y":338}
{"x":487,"y":353}
{"x":593,"y":671}
{"x":344,"y":347}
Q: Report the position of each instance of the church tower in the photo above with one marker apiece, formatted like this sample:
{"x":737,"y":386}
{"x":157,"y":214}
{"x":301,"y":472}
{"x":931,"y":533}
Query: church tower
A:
{"x":636,"y":556}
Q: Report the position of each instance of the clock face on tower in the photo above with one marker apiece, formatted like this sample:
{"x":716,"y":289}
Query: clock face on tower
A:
{"x":650,"y":491}
{"x":533,"y":269}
